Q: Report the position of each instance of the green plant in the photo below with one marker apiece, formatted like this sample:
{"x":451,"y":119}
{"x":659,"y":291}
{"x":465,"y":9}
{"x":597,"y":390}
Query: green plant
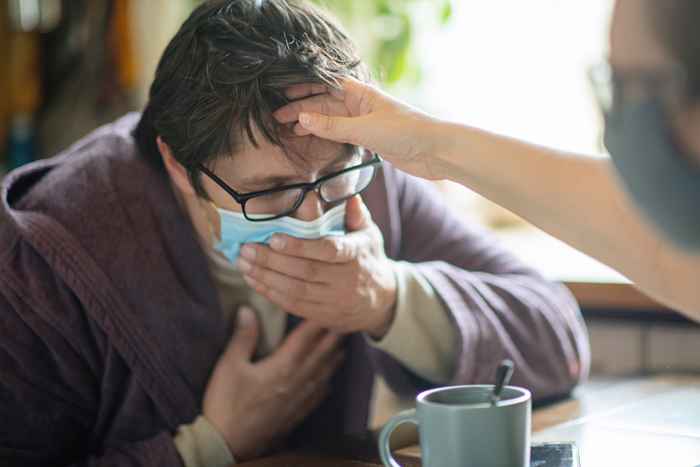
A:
{"x":386,"y":30}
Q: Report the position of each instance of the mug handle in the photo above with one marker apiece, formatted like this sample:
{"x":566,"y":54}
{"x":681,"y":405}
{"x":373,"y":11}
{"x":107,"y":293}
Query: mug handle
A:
{"x":409,"y":416}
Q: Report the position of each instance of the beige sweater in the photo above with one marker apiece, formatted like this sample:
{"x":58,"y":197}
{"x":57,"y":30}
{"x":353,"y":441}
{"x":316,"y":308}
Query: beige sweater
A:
{"x":420,"y":319}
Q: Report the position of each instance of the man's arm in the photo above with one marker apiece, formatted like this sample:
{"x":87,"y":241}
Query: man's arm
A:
{"x":421,"y":318}
{"x":46,"y":420}
{"x":500,"y":307}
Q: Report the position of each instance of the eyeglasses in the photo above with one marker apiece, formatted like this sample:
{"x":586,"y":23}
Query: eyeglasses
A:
{"x":279,"y":202}
{"x":613,"y":87}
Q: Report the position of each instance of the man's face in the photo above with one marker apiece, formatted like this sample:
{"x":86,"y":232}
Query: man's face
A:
{"x":254,"y":169}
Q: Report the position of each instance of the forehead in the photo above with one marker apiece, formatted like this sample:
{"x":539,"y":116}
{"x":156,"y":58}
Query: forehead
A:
{"x":300,"y":156}
{"x":633,"y":38}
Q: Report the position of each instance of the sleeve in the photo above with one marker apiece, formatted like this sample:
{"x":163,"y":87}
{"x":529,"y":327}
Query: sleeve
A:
{"x":201,"y":445}
{"x":422,"y":319}
{"x":499,"y":307}
{"x":46,"y":420}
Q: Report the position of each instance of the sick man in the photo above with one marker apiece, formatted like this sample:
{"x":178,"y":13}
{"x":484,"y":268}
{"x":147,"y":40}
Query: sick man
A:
{"x":194,"y":285}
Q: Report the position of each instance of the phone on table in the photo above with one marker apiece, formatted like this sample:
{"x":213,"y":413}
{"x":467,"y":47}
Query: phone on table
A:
{"x":554,"y":455}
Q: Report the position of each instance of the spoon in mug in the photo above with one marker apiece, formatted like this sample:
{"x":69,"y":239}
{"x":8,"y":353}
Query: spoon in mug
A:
{"x":503,"y":375}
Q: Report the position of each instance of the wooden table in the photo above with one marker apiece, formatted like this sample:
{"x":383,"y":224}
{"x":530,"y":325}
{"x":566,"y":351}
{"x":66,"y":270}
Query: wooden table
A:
{"x":650,"y":421}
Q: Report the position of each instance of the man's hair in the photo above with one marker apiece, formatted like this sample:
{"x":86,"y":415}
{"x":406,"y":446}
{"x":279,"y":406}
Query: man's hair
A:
{"x":226,"y":70}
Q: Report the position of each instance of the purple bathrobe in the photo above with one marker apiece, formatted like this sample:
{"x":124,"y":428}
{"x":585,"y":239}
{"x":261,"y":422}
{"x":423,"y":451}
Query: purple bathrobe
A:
{"x":110,"y":323}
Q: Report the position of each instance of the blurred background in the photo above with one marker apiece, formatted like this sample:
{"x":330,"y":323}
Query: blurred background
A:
{"x":511,"y":66}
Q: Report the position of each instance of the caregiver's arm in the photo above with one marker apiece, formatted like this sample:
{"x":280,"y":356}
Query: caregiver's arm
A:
{"x":573,"y":197}
{"x":577,"y":199}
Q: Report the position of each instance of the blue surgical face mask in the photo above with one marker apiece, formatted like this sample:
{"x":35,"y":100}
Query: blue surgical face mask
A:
{"x":662,"y":180}
{"x":236,"y":230}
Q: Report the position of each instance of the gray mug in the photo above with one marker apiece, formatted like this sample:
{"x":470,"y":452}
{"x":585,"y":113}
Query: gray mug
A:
{"x":459,"y":427}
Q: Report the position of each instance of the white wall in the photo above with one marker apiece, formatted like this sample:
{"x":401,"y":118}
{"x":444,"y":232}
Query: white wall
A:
{"x":519,"y":68}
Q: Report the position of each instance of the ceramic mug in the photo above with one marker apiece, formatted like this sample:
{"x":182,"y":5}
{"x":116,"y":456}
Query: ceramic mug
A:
{"x":459,"y":427}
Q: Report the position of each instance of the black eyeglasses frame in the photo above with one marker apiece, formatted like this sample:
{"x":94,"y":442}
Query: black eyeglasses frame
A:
{"x":243,"y":198}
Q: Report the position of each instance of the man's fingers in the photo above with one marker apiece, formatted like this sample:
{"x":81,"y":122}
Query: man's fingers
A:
{"x":326,"y":356}
{"x":301,"y":268}
{"x":245,"y":337}
{"x":307,"y":406}
{"x":295,"y":289}
{"x":322,"y":375}
{"x":317,"y":383}
{"x":311,"y":311}
{"x":332,"y":249}
{"x":296,"y":346}
{"x":329,"y":344}
{"x":323,"y":353}
{"x":329,"y":366}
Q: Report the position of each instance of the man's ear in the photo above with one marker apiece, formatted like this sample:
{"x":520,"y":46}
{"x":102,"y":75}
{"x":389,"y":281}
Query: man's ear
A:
{"x":176,"y":171}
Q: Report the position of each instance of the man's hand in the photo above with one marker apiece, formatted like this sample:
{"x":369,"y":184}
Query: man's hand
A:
{"x":253,"y":405}
{"x":345,"y":284}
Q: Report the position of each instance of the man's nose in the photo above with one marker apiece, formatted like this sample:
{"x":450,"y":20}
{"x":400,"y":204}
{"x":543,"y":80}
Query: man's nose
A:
{"x":311,"y":209}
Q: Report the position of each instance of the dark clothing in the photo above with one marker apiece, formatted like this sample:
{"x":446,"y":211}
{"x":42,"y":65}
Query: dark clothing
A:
{"x":110,"y":323}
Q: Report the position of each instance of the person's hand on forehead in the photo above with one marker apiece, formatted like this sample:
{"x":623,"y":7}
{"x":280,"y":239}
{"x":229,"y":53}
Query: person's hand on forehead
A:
{"x":355,"y":112}
{"x":320,"y":99}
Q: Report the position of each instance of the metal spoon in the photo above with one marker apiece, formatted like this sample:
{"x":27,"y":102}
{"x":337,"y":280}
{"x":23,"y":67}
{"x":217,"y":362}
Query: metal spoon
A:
{"x":503,"y":375}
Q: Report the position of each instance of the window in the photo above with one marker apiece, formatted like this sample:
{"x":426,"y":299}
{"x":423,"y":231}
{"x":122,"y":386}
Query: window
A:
{"x":519,"y":68}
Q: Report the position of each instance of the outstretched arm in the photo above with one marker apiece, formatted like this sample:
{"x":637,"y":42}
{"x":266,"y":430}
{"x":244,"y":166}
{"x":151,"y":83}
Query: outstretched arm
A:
{"x":573,"y":197}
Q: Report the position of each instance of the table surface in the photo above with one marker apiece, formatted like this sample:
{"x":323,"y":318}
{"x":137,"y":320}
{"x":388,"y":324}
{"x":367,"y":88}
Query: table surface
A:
{"x":646,"y":421}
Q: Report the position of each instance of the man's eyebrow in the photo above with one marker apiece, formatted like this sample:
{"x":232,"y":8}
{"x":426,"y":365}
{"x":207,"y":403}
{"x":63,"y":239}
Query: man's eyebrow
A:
{"x":278,"y":180}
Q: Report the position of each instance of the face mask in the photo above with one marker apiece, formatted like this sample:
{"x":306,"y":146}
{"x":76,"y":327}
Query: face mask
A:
{"x":660,"y":178}
{"x":236,"y":230}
